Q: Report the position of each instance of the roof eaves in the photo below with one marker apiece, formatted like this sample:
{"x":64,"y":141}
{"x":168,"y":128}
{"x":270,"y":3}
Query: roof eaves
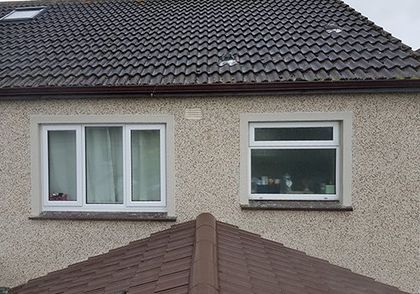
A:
{"x":365,"y":86}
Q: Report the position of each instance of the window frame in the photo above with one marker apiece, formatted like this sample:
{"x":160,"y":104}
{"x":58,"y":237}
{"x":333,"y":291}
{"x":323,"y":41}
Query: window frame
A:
{"x":45,"y":166}
{"x":341,"y":123}
{"x":257,"y":125}
{"x":130,"y":202}
{"x":41,"y":124}
{"x":295,"y":145}
{"x":98,"y":206}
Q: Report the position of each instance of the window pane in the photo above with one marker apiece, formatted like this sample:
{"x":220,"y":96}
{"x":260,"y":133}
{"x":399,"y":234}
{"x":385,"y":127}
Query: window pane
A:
{"x":23,"y":14}
{"x":297,"y":171}
{"x":62,"y":185}
{"x":294,"y":134}
{"x":104,"y":165}
{"x":145,"y":165}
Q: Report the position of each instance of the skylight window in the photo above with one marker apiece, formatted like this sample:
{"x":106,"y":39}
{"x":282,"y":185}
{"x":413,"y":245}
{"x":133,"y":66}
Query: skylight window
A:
{"x":23,"y":13}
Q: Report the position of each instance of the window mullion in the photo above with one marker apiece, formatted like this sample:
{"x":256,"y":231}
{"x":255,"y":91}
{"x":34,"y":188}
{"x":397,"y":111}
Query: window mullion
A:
{"x":126,"y":165}
{"x":162,"y":132}
{"x":83,"y":164}
{"x":79,"y":165}
{"x":45,"y":160}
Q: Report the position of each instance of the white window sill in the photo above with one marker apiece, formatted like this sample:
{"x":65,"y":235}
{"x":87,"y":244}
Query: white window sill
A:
{"x":104,"y":216}
{"x":295,"y":205}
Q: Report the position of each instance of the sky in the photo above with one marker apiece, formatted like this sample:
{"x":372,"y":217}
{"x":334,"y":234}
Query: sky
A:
{"x":399,"y":17}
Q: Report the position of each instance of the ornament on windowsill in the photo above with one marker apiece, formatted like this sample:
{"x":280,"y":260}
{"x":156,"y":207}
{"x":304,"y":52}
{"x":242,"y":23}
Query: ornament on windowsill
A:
{"x":286,"y":184}
{"x":57,"y":197}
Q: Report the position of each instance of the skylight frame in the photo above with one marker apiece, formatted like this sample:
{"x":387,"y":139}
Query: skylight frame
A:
{"x":39,"y":9}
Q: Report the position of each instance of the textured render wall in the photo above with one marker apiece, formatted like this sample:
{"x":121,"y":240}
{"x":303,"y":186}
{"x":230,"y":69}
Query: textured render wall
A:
{"x":380,"y":238}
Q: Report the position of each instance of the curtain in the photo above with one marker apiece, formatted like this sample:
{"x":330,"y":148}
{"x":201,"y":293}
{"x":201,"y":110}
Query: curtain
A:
{"x":145,"y":165}
{"x":62,"y":165}
{"x":104,"y":165}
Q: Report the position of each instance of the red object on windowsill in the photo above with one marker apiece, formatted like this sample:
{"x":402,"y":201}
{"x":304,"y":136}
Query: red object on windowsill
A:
{"x":57,"y":197}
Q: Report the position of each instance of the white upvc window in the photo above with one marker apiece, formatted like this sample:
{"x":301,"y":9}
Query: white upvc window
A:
{"x":294,"y":160}
{"x":296,"y":156}
{"x":103,"y":167}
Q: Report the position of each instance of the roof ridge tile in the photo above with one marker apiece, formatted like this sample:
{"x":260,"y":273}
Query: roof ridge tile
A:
{"x":204,"y":273}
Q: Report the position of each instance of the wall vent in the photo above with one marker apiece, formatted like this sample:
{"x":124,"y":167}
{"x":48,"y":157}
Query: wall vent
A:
{"x":193,"y":113}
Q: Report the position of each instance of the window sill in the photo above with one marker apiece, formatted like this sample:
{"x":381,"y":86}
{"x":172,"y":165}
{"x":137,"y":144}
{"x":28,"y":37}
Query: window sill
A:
{"x":107,"y":216}
{"x":295,"y":205}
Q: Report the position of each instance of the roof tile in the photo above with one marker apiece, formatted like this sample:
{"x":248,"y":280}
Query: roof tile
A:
{"x":168,"y":42}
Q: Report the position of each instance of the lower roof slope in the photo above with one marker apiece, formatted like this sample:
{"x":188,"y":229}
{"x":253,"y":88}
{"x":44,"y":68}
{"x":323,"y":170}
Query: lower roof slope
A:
{"x":115,"y":43}
{"x":204,"y":256}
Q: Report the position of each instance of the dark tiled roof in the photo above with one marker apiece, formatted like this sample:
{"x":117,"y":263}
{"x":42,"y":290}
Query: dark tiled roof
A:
{"x":184,"y":42}
{"x":204,"y":257}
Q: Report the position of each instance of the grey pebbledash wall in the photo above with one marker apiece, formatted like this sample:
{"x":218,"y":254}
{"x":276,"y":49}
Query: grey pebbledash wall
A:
{"x":380,"y":238}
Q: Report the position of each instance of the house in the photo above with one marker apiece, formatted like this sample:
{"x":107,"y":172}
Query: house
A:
{"x":295,"y":120}
{"x":204,"y":256}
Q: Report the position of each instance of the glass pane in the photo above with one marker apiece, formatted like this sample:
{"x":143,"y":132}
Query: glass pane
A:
{"x":104,"y":165}
{"x":293,"y":171}
{"x":294,"y":134}
{"x":145,"y":165}
{"x":20,"y":14}
{"x":62,"y":185}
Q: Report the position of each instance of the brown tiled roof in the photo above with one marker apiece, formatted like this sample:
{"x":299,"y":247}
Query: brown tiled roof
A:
{"x":188,"y":42}
{"x":204,"y":257}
